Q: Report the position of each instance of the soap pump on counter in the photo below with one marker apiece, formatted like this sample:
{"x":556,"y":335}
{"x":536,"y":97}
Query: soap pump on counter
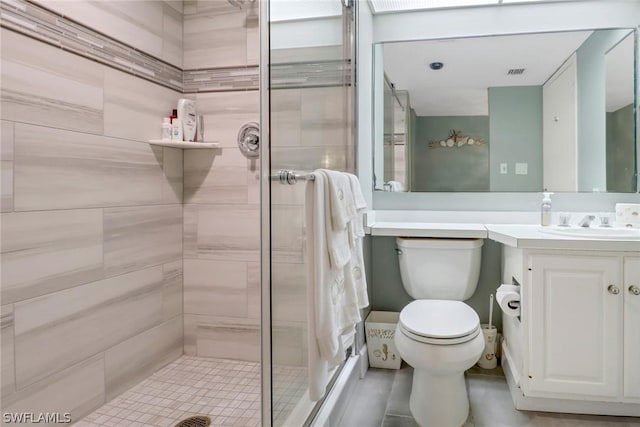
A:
{"x":545,"y":210}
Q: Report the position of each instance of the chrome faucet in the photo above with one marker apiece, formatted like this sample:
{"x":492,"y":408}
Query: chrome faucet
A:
{"x":586,"y":221}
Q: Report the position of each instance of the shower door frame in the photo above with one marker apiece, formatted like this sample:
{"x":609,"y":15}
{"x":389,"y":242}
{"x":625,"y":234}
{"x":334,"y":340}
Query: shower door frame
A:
{"x":265,"y":214}
{"x":350,"y":48}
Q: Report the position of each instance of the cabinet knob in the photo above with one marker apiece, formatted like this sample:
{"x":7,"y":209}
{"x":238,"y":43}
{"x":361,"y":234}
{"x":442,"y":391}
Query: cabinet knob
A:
{"x":613,"y":289}
{"x":635,"y":290}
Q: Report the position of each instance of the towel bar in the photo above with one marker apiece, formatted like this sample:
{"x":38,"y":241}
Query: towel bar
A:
{"x":286,"y":176}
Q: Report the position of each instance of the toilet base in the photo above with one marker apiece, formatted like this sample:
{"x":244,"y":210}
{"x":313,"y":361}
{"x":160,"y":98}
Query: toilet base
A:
{"x":439,"y":401}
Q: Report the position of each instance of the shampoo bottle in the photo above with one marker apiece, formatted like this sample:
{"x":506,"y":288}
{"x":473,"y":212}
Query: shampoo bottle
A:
{"x":176,"y":130}
{"x":187,"y":114}
{"x":545,"y":210}
{"x":166,"y":129}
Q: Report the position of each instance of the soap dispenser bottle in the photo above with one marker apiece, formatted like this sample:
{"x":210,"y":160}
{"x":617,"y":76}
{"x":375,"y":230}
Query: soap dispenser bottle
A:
{"x":545,"y":210}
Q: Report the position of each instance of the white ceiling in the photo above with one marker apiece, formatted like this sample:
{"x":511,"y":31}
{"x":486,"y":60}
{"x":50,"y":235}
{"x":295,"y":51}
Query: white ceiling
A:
{"x":471,"y":66}
{"x":619,"y":62}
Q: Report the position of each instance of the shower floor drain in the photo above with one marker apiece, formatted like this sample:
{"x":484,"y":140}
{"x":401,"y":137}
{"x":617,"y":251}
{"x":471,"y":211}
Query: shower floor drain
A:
{"x":197,"y":421}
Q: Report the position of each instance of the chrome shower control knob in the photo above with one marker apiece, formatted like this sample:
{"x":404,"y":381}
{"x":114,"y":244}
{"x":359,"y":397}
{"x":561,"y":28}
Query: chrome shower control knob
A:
{"x":635,"y":290}
{"x":613,"y":289}
{"x":249,"y":140}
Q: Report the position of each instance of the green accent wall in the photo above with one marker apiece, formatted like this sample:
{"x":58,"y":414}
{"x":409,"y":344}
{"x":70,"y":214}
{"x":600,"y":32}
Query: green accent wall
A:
{"x":621,"y":156}
{"x":591,"y":75}
{"x":515,"y":126}
{"x":388,"y":294}
{"x":450,"y":169}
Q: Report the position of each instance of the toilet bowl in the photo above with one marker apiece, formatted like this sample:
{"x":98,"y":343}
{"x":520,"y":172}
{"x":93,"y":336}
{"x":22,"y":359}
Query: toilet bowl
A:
{"x":438,"y":334}
{"x":439,"y":352}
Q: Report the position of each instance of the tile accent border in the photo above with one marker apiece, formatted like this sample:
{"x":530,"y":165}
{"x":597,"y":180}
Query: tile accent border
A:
{"x":297,"y":75}
{"x":49,"y":27}
{"x":221,"y":79}
{"x":52,"y":28}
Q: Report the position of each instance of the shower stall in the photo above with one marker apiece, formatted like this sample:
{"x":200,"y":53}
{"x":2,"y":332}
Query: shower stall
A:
{"x":144,"y":284}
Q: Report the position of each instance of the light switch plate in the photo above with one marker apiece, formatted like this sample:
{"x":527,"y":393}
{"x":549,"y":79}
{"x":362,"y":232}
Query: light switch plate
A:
{"x":503,"y":168}
{"x":522,"y":168}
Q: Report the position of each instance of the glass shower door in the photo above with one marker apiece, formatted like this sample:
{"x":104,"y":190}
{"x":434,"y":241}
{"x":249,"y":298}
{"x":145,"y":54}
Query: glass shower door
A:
{"x":310,"y":127}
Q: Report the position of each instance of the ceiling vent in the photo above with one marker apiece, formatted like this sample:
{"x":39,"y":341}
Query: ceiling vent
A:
{"x":515,"y":71}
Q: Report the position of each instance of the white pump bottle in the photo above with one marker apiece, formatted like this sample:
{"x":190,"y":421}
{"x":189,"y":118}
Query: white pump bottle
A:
{"x":545,"y":210}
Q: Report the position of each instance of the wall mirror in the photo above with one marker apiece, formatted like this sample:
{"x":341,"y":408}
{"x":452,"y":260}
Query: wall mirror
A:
{"x":522,"y":112}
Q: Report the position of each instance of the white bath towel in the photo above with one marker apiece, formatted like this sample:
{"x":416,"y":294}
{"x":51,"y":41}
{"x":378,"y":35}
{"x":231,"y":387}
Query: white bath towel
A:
{"x":355,"y":278}
{"x":325,"y":293}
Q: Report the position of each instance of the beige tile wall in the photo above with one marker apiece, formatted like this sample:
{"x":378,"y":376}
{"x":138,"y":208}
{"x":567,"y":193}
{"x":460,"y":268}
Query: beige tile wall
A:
{"x":222,"y":236}
{"x":91,"y":222}
{"x":154,"y":27}
{"x":309,"y":131}
{"x":217,"y":34}
{"x":222,"y":193}
{"x":110,"y":221}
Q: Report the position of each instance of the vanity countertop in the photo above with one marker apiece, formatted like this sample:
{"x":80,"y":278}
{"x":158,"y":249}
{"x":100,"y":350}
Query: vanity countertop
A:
{"x":531,"y":237}
{"x":516,"y":229}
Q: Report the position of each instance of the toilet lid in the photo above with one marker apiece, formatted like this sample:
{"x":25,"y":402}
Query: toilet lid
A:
{"x":439,"y":319}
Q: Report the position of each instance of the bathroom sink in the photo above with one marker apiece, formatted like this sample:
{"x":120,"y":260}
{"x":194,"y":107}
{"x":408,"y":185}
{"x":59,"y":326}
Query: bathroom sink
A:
{"x":594,"y":232}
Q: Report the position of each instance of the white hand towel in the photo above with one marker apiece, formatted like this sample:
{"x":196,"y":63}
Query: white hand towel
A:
{"x":395,"y":186}
{"x":358,"y":197}
{"x":337,"y":239}
{"x":343,"y":207}
{"x":356,"y":229}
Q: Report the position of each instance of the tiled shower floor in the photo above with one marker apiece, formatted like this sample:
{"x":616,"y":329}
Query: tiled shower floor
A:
{"x":227,"y":391}
{"x":289,"y":385}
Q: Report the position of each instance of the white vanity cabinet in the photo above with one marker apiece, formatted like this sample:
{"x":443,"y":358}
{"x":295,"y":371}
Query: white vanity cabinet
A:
{"x":631,"y":340}
{"x":575,"y":325}
{"x":576,"y":346}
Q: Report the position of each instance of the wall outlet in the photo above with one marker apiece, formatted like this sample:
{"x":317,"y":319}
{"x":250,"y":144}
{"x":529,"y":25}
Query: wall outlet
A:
{"x":522,"y":168}
{"x":503,"y":168}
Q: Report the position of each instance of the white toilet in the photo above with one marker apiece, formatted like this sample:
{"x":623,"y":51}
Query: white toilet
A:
{"x":438,"y":334}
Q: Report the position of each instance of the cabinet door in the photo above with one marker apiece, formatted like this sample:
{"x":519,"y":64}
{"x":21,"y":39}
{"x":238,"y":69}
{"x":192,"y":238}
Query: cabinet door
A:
{"x":575,"y":325}
{"x":631,"y":329}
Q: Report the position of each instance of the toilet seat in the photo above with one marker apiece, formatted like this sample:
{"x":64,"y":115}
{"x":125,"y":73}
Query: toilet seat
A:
{"x":441,"y":322}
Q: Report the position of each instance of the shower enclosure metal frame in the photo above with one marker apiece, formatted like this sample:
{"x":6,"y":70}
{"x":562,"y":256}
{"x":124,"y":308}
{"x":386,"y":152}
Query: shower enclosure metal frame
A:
{"x":265,"y":215}
{"x":269,"y":177}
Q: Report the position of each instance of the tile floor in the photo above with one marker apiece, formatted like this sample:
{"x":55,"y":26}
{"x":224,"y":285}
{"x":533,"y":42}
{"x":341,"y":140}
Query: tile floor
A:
{"x":382,"y":399}
{"x":227,"y":391}
{"x":289,"y":384}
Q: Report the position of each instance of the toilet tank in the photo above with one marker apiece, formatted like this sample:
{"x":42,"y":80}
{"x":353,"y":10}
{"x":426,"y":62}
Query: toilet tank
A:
{"x":439,"y":268}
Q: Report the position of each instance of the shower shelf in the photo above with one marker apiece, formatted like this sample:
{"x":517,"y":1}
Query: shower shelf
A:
{"x":185,"y":144}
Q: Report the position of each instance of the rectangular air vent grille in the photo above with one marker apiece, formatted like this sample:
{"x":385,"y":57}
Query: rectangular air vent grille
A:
{"x":516,"y":71}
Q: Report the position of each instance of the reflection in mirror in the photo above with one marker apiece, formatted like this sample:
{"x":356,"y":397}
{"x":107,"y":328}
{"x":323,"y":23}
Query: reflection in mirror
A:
{"x":507,"y":113}
{"x":620,"y":122}
{"x":396,"y":137}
